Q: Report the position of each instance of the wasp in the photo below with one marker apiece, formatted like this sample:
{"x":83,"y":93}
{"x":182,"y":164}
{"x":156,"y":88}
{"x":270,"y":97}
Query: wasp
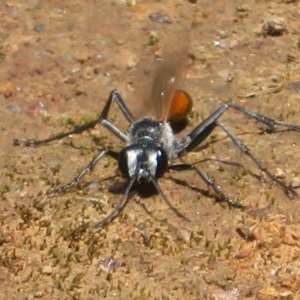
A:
{"x":151,"y":146}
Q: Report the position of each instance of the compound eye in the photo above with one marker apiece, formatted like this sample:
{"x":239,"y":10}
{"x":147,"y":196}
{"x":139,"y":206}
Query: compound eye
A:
{"x":123,"y":163}
{"x":162,"y":162}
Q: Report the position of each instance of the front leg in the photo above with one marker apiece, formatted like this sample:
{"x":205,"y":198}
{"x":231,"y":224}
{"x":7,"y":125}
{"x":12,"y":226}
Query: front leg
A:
{"x":89,"y":167}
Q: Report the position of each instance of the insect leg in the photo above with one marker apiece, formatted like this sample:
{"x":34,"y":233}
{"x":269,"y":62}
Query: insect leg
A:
{"x":117,"y":210}
{"x":114,"y":95}
{"x":85,"y":170}
{"x":244,"y":149}
{"x":209,"y":181}
{"x":271,"y":123}
{"x":174,"y":209}
{"x":200,"y":132}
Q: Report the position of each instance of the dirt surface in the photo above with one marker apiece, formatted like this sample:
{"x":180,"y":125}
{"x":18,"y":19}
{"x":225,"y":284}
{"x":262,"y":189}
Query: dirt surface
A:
{"x":58,"y":64}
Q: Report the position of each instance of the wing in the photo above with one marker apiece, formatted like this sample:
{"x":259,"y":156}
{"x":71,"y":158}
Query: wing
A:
{"x":169,"y":101}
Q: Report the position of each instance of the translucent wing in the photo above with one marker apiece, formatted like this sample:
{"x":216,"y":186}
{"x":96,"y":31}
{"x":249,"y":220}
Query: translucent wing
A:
{"x":170,"y":102}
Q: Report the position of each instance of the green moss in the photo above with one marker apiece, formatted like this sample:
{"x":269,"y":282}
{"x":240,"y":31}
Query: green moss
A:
{"x":153,"y":38}
{"x":131,"y":3}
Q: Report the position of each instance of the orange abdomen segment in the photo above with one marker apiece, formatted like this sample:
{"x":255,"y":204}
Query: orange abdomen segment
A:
{"x":181,"y":105}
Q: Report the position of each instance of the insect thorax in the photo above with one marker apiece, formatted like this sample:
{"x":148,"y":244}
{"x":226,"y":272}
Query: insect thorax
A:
{"x":148,"y":131}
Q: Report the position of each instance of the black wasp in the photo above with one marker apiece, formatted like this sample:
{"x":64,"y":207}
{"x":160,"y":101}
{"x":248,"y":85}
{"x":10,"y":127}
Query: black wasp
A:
{"x":150,"y":143}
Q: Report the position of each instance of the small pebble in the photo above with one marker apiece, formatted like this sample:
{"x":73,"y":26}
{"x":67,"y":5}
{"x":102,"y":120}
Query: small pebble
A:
{"x":160,"y":17}
{"x":14,"y":108}
{"x":223,"y":33}
{"x":132,"y":62}
{"x":109,"y":264}
{"x":53,"y":163}
{"x":245,"y":233}
{"x":93,"y":186}
{"x":82,"y":56}
{"x":295,"y":183}
{"x":185,"y":235}
{"x":39,"y":27}
{"x":38,"y":294}
{"x":250,"y":95}
{"x":47,"y":270}
{"x":242,"y":10}
{"x":279,"y":173}
{"x":294,"y":86}
{"x":274,"y":26}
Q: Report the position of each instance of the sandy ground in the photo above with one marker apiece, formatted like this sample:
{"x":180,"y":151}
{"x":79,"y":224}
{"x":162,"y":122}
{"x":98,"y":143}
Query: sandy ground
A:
{"x":58,"y":64}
